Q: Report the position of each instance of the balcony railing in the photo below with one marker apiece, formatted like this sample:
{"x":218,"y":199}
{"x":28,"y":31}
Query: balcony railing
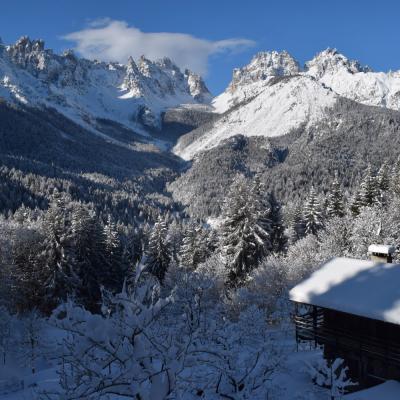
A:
{"x":311,"y":327}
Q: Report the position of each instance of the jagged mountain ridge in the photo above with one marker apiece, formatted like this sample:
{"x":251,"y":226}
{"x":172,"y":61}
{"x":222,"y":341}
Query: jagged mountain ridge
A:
{"x":346,"y":77}
{"x":349,"y":79}
{"x":134,"y":95}
{"x":272,"y":98}
{"x":272,"y":95}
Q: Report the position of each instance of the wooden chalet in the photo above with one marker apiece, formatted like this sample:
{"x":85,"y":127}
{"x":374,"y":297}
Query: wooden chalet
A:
{"x":352,"y":308}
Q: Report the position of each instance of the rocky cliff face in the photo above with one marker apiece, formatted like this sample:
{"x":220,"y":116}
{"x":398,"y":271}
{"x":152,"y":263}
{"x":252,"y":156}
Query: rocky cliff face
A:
{"x":272,"y":95}
{"x":330,"y":61}
{"x":134,"y":94}
{"x":348,"y":78}
{"x":251,"y":79}
{"x":262,"y":66}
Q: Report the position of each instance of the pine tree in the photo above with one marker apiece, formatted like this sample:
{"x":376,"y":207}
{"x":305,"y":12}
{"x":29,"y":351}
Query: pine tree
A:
{"x":114,"y":255}
{"x":175,"y":238}
{"x":262,"y":208}
{"x":29,"y":274}
{"x":113,"y":246}
{"x":368,"y":188}
{"x":383,"y":178}
{"x":133,"y":245}
{"x":383,"y":183}
{"x":356,"y":203}
{"x":57,"y":259}
{"x":158,"y":252}
{"x":297,"y":228}
{"x":335,"y":206}
{"x":212,"y":240}
{"x":243,"y":238}
{"x":395,"y":177}
{"x":277,"y":230}
{"x":313,"y":218}
{"x":92,"y":267}
{"x":194,"y":249}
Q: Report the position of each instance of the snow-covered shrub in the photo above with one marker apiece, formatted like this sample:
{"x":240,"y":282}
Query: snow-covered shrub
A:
{"x":302,"y":258}
{"x":366,"y":229}
{"x":118,"y":352}
{"x":233,"y":360}
{"x":331,"y":375}
{"x":266,"y":286}
{"x":31,"y":339}
{"x":227,"y":357}
{"x":335,"y":240}
{"x":205,"y":284}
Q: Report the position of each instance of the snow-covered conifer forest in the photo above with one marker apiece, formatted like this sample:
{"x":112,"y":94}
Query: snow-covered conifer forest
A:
{"x":149,"y":239}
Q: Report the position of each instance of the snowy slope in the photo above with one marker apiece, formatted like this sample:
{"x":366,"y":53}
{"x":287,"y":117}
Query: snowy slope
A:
{"x":389,"y":390}
{"x":281,"y":106}
{"x":349,"y":79}
{"x":268,"y":97}
{"x":134,"y":95}
{"x":272,"y":95}
{"x":252,"y":78}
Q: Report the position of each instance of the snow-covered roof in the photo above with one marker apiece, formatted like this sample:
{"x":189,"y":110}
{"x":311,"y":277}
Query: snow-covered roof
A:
{"x":381,"y":249}
{"x":389,"y":390}
{"x":359,"y":287}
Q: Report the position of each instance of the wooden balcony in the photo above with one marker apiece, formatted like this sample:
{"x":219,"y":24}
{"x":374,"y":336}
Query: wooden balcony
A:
{"x":311,"y":326}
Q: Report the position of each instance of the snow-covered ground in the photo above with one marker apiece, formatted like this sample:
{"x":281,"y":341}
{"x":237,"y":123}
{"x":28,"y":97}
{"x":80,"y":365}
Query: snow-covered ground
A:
{"x":389,"y":390}
{"x":290,"y":382}
{"x":23,"y":385}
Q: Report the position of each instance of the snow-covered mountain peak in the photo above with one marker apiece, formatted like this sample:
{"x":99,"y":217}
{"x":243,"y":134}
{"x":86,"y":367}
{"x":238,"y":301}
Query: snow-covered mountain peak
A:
{"x":251,"y":79}
{"x":197,"y":88}
{"x":28,"y":54}
{"x":135,"y":94}
{"x":164,"y":79}
{"x":346,"y":77}
{"x":262,"y":66}
{"x":330,"y":61}
{"x":359,"y":83}
{"x":286,"y":103}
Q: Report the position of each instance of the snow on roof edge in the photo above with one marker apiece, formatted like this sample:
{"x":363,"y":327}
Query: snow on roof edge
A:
{"x":359,"y":287}
{"x":381,"y":249}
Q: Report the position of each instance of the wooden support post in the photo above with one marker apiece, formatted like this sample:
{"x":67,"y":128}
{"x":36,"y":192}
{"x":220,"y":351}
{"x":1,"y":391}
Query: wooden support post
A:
{"x":314,"y":316}
{"x":296,"y":312}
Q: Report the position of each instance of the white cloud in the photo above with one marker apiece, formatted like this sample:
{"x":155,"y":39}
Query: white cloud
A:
{"x":110,"y":40}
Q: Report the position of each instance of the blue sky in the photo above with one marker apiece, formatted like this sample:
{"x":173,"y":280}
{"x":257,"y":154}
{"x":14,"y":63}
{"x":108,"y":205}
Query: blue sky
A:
{"x":365,"y":30}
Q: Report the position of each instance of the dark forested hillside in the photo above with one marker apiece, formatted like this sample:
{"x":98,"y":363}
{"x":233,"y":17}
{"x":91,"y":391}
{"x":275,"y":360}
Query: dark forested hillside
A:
{"x":43,"y":150}
{"x":350,"y":137}
{"x":48,"y":137}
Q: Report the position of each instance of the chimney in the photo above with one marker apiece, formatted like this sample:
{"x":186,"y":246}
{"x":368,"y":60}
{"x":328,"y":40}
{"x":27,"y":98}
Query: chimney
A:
{"x":381,"y":253}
